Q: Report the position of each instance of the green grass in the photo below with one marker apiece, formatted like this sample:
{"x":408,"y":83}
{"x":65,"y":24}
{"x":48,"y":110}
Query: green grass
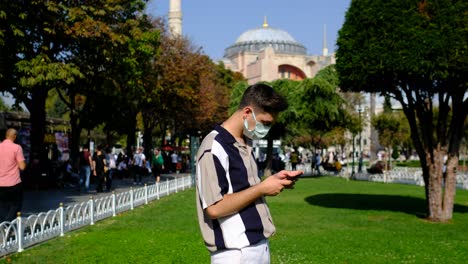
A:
{"x":323,"y":220}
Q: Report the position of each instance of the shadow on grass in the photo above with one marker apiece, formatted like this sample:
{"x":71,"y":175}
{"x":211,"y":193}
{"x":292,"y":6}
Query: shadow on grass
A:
{"x":396,"y":203}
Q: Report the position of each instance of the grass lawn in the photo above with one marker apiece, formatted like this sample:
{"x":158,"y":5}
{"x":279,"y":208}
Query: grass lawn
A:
{"x":323,"y":220}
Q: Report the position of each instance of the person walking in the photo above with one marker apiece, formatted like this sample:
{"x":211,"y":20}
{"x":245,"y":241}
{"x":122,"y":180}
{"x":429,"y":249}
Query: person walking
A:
{"x":85,"y":162}
{"x":99,"y":168}
{"x":174,"y":160}
{"x":294,"y":159}
{"x":111,"y":161}
{"x":157,"y":164}
{"x":318,"y":162}
{"x":11,"y":188}
{"x":138,"y":167}
{"x":233,"y":216}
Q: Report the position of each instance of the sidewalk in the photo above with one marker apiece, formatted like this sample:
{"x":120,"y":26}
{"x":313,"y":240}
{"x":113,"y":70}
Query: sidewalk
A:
{"x":36,"y":201}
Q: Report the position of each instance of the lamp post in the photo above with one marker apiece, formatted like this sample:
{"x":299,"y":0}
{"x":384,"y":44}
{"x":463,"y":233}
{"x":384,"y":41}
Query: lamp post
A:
{"x":360,"y":110}
{"x":352,"y":172}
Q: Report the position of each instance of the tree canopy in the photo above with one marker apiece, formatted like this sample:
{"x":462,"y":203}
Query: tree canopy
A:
{"x":415,"y":52}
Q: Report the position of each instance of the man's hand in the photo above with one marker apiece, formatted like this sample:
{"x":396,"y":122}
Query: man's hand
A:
{"x":292,"y":176}
{"x":274,"y":184}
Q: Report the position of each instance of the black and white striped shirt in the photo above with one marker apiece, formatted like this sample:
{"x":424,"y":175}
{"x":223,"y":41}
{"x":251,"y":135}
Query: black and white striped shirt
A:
{"x":225,"y":166}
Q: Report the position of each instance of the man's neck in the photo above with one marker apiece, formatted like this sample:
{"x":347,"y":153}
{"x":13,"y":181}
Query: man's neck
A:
{"x":234,"y":125}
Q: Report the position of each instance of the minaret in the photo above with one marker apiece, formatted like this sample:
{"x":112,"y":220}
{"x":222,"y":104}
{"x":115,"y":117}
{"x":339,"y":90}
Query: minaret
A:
{"x":265,"y":23}
{"x":325,"y":49}
{"x":175,"y":18}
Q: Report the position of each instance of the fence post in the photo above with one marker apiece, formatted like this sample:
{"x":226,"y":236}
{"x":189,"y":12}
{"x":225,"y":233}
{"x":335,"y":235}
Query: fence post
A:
{"x":176,"y":185}
{"x":20,"y":231}
{"x":183,"y":184}
{"x":113,"y":203}
{"x":131,"y":198}
{"x":157,"y":190}
{"x":146,"y":193}
{"x":167,"y":187}
{"x":91,"y":209}
{"x":62,"y":219}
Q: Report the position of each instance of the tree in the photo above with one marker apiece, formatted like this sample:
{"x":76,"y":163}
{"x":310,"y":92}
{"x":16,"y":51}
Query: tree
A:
{"x":393,"y":131}
{"x":3,"y":106}
{"x":33,"y":61}
{"x":415,"y":52}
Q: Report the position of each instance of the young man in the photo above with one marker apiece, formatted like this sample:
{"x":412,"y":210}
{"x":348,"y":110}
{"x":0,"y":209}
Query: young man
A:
{"x":234,"y":218}
{"x":11,"y":189}
{"x":85,"y":167}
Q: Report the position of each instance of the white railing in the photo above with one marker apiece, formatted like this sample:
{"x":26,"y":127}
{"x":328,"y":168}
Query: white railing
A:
{"x":23,"y":232}
{"x":407,"y":176}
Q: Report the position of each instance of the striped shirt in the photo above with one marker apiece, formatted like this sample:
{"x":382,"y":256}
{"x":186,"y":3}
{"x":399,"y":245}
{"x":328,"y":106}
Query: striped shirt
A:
{"x":226,"y":166}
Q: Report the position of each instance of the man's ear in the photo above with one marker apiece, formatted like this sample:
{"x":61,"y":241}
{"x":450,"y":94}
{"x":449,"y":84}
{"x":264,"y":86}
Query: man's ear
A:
{"x":246,"y":111}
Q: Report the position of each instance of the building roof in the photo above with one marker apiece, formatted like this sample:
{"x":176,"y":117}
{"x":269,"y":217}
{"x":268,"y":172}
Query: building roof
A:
{"x":256,"y":40}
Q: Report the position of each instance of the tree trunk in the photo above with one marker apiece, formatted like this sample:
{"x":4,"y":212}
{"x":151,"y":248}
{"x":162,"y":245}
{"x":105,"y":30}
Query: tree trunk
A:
{"x":39,"y":160}
{"x":131,"y":137}
{"x":74,"y":143}
{"x":147,"y":140}
{"x":440,"y":189}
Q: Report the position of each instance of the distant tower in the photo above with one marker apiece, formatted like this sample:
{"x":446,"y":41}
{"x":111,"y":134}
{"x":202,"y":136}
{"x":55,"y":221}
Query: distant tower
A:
{"x":175,"y":17}
{"x":265,"y":23}
{"x":325,"y":49}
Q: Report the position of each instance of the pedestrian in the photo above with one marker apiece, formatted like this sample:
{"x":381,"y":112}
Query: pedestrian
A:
{"x":157,"y":164}
{"x":11,"y":188}
{"x":99,"y":168}
{"x":174,"y":160}
{"x":85,"y":161}
{"x":294,"y":158}
{"x":277,"y":164}
{"x":111,"y":161}
{"x":318,"y":162}
{"x":71,"y":175}
{"x":360,"y":162}
{"x":138,"y":165}
{"x":233,"y":215}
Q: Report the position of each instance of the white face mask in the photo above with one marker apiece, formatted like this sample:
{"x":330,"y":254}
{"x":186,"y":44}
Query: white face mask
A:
{"x":260,"y":130}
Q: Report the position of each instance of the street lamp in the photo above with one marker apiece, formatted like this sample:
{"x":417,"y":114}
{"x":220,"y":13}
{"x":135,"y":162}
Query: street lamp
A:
{"x":352,"y":172}
{"x":359,"y":109}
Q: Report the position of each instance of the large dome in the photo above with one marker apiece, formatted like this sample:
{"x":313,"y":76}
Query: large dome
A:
{"x":255,"y":40}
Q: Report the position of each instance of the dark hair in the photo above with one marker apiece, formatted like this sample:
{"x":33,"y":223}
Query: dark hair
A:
{"x":264,"y":97}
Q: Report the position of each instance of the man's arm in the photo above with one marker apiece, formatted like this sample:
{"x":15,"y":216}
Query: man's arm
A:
{"x":22,"y":165}
{"x":93,"y":167}
{"x":233,"y":202}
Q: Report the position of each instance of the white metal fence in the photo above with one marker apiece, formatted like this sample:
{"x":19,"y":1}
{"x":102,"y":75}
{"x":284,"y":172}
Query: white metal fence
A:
{"x":407,"y":176}
{"x":24,"y":232}
{"x":403,"y":175}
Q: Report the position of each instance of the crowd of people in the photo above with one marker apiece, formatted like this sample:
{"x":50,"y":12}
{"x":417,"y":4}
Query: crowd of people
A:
{"x":102,"y":166}
{"x":319,"y":161}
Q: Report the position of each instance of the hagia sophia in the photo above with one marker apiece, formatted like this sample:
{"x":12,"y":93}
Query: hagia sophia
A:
{"x":265,"y":53}
{"x":268,"y":53}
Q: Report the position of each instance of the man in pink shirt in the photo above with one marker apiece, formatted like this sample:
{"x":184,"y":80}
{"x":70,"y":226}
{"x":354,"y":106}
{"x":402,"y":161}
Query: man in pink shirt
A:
{"x":11,"y":189}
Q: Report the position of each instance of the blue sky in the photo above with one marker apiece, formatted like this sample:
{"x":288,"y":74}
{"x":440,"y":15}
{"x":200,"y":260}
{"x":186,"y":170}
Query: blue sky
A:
{"x":216,"y":24}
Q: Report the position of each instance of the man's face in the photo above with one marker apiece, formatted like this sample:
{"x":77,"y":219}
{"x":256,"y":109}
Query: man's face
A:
{"x":263,"y":117}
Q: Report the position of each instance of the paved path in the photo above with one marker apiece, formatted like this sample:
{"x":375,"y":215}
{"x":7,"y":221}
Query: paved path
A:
{"x":36,"y":201}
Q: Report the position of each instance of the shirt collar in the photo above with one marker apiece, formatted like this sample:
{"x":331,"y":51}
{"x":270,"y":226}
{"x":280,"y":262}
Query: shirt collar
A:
{"x":225,"y":135}
{"x":229,"y":138}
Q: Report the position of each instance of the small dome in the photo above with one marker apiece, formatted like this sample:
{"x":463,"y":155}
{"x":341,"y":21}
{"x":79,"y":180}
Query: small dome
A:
{"x":256,"y":40}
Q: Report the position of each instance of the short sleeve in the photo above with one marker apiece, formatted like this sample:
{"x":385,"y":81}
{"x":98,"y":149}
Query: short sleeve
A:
{"x":19,"y":154}
{"x":211,"y":180}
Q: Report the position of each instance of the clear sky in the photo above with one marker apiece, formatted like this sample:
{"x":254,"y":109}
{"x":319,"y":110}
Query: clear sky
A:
{"x":216,"y":24}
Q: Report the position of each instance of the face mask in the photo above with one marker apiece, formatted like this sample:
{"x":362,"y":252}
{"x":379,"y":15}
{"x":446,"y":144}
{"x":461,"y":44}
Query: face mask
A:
{"x":260,"y":130}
